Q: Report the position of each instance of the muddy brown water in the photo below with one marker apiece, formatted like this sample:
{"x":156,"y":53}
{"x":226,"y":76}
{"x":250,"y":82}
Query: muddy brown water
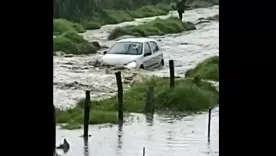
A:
{"x":165,"y":136}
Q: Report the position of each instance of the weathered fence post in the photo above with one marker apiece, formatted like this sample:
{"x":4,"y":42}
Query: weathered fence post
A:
{"x":86,"y":114}
{"x":144,"y":151}
{"x":149,"y":107}
{"x":54,"y":130}
{"x":120,"y":96}
{"x":209,"y":123}
{"x":171,"y":65}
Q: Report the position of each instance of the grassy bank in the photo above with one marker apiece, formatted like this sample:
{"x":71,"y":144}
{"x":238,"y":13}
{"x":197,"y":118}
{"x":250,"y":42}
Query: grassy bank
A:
{"x":207,"y":69}
{"x":155,"y":27}
{"x":62,"y":25}
{"x":72,"y":43}
{"x":118,"y":16}
{"x":188,"y":96}
{"x":109,"y":17}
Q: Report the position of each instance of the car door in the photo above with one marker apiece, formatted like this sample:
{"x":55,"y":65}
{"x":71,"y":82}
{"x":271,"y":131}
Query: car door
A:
{"x":156,"y":54}
{"x":148,"y":59}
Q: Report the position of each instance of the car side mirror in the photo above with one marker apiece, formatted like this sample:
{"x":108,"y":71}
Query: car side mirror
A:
{"x":104,"y":52}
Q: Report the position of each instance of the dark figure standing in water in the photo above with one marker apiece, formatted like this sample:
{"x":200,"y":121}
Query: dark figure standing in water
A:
{"x":181,"y":8}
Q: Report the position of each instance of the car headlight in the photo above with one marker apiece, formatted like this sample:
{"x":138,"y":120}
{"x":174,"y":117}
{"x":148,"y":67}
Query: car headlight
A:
{"x":131,"y":65}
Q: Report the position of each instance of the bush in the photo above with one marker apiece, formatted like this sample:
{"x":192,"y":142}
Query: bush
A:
{"x":62,"y":25}
{"x":207,"y":69}
{"x":71,"y":42}
{"x":155,"y":27}
{"x":187,"y":96}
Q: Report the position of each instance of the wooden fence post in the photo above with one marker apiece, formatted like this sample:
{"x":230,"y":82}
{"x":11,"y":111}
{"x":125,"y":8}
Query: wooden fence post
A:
{"x":120,"y":96}
{"x":209,"y":123}
{"x":86,"y":114}
{"x":171,"y":65}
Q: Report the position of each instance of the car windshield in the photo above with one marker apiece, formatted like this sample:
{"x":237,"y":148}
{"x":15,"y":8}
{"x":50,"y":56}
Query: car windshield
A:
{"x":126,"y":48}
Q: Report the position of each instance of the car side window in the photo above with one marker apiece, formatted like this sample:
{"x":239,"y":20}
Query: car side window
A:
{"x":154,"y":46}
{"x":147,"y":49}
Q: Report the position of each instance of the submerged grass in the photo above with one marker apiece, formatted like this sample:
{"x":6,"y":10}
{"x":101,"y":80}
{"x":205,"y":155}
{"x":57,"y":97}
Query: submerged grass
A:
{"x":207,"y":69}
{"x":73,"y":118}
{"x":155,"y":27}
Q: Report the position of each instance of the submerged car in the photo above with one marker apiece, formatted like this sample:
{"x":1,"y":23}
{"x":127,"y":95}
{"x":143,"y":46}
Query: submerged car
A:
{"x":134,"y":53}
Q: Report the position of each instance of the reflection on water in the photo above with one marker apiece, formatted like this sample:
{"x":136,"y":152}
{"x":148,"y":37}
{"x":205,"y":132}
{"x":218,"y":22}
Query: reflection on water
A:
{"x":85,"y":147}
{"x":160,"y":136}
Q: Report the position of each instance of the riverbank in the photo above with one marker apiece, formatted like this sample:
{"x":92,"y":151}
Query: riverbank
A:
{"x":207,"y":69}
{"x":189,"y":96}
{"x":155,"y":27}
{"x":110,"y":17}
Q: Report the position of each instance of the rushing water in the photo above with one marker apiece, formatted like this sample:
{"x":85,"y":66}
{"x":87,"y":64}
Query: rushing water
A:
{"x":164,"y":136}
{"x":186,"y":49}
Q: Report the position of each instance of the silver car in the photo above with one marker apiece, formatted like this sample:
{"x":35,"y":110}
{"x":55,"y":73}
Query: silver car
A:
{"x":134,"y":53}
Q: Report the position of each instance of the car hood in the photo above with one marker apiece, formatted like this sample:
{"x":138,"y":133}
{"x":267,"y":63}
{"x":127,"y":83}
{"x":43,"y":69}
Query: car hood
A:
{"x":115,"y":59}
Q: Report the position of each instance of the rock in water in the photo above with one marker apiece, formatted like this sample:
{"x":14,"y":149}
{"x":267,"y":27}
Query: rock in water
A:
{"x":96,"y":45}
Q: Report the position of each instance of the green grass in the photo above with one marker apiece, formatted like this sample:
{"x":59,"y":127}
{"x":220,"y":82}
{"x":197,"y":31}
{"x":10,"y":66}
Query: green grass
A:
{"x":188,"y":96}
{"x":113,"y":17}
{"x":155,"y":27}
{"x":91,"y":25}
{"x":207,"y":69}
{"x":62,"y":25}
{"x":72,"y":43}
{"x":150,"y":10}
{"x":73,"y":118}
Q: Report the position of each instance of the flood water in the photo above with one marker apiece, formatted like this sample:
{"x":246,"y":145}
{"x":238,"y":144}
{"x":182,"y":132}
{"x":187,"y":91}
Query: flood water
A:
{"x":164,"y":136}
{"x":186,"y":49}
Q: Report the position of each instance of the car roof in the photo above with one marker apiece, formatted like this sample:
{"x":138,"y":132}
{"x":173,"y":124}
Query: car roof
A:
{"x":140,"y":39}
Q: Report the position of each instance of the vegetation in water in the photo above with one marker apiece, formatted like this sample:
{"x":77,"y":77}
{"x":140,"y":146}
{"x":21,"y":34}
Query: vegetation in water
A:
{"x":72,"y":43}
{"x":207,"y":69}
{"x":155,"y":27}
{"x":188,"y":95}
